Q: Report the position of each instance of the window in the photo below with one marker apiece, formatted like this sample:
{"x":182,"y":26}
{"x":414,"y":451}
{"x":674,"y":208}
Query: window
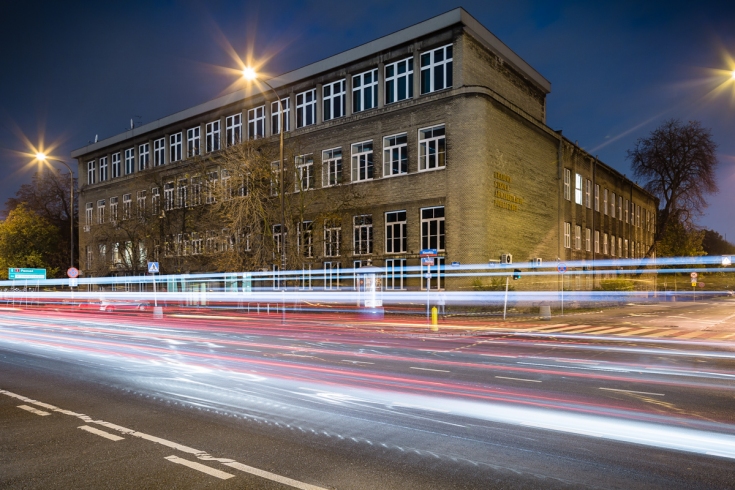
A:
{"x":625,"y":248}
{"x":88,"y":213}
{"x":256,"y":123}
{"x":305,"y":238}
{"x":432,"y":148}
{"x":612,"y":207}
{"x":333,"y":100}
{"x":141,"y":203}
{"x":395,"y":271}
{"x":129,"y":161}
{"x":275,"y":115}
{"x":175,"y":144}
{"x":597,"y":197}
{"x":395,"y":232}
{"x":399,"y":81}
{"x":567,"y":184}
{"x":436,"y":69}
{"x":155,"y":201}
{"x":331,"y":167}
{"x":577,"y":237}
{"x":196,"y":243}
{"x":277,"y":240}
{"x":116,"y":165}
{"x":304,"y":172}
{"x":626,"y":210}
{"x":395,"y":155}
{"x":588,"y":240}
{"x":113,"y":208}
{"x":233,"y":129}
{"x":567,"y":235}
{"x":143,"y":156}
{"x":127,"y":204}
{"x":612,"y":245}
{"x":363,"y":233}
{"x":182,"y":193}
{"x":212,"y":136}
{"x":578,"y":189}
{"x":159,"y":152}
{"x":103,"y":252}
{"x":331,"y":275}
{"x":91,"y":172}
{"x":588,"y":194}
{"x":306,"y":108}
{"x":620,"y":208}
{"x":362,"y":161}
{"x":168,"y":196}
{"x":100,"y":211}
{"x":638,"y":216}
{"x":103,"y":169}
{"x":332,"y":238}
{"x":212,"y":178}
{"x":597,"y":241}
{"x":365,"y":91}
{"x":275,"y":179}
{"x":604,"y":244}
{"x":605,"y":202}
{"x":90,"y":256}
{"x":432,"y":228}
{"x":226,"y":184}
{"x":620,"y":246}
{"x":196,"y":190}
{"x":192,"y":142}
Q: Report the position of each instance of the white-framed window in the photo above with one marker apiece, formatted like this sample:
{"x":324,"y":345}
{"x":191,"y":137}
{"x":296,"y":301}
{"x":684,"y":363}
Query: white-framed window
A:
{"x":213,"y":131}
{"x":233,"y":129}
{"x":159,"y":152}
{"x":578,"y":188}
{"x":226,"y":180}
{"x":432,"y":228}
{"x":395,"y":272}
{"x":103,"y":252}
{"x":625,"y":248}
{"x":90,"y":256}
{"x":168,"y":196}
{"x":395,"y":155}
{"x":129,"y":161}
{"x":604,"y":244}
{"x":306,"y":276}
{"x":113,"y":208}
{"x":597,"y":241}
{"x":212,"y":179}
{"x":331,"y":167}
{"x":115,"y":165}
{"x":306,"y":108}
{"x":638,"y":216}
{"x":127,"y":205}
{"x":605,"y":202}
{"x":305,"y":238}
{"x":196,"y":190}
{"x":432,"y":148}
{"x":399,"y":81}
{"x":91,"y":172}
{"x":277,"y":240}
{"x":196,"y":243}
{"x":567,"y":184}
{"x":436,"y":69}
{"x":192,"y":141}
{"x":332,"y":238}
{"x":577,"y":237}
{"x":141,"y":203}
{"x":331,"y":275}
{"x":395,"y":232}
{"x":89,"y":211}
{"x":182,"y":193}
{"x":100,"y":211}
{"x":275,"y":126}
{"x":363,"y":234}
{"x":155,"y":201}
{"x":333,"y":100}
{"x":175,"y":147}
{"x":625,"y":211}
{"x":588,"y":194}
{"x":103,"y":169}
{"x":612,"y":245}
{"x":597,"y":197}
{"x":256,"y":123}
{"x":144,"y":156}
{"x":365,"y":91}
{"x":612,"y":205}
{"x":304,"y":172}
{"x":567,"y":235}
{"x":362,"y":161}
{"x":588,"y":240}
{"x":620,"y":208}
{"x":620,"y":246}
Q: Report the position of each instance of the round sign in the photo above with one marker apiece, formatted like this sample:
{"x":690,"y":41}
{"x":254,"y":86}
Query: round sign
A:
{"x":693,"y":274}
{"x":562,"y":268}
{"x":72,"y":272}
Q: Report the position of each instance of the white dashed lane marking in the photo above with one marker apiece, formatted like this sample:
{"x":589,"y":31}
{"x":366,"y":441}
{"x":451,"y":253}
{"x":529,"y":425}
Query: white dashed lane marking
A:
{"x":635,"y":392}
{"x":272,"y":476}
{"x":427,"y":369}
{"x":200,"y":467}
{"x":101,"y":433}
{"x":519,"y":379}
{"x":34,"y":410}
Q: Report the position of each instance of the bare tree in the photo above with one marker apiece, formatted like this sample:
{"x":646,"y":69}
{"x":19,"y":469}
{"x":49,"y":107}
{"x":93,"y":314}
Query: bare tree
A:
{"x":678,"y":162}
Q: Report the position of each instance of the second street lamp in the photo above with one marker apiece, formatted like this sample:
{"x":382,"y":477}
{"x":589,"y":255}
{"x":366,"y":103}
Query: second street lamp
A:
{"x":41,"y":157}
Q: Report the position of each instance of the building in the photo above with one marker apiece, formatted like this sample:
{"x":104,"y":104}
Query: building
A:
{"x":438,"y":128}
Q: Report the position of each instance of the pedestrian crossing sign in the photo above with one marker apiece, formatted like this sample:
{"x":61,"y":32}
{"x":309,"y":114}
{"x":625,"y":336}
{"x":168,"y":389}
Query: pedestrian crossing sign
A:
{"x":152,"y":267}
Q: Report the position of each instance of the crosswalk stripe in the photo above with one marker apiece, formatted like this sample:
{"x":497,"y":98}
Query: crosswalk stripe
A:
{"x":563,"y":329}
{"x":691,"y":335}
{"x":724,"y":336}
{"x":612,"y":330}
{"x":636,"y":332}
{"x":660,"y":334}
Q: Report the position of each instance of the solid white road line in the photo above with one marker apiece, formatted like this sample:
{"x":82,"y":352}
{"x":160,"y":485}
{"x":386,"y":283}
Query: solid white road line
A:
{"x":272,"y":476}
{"x":200,"y":467}
{"x":519,"y":379}
{"x":427,"y":369}
{"x":631,"y":391}
{"x":357,"y":362}
{"x":101,"y":433}
{"x":34,"y":410}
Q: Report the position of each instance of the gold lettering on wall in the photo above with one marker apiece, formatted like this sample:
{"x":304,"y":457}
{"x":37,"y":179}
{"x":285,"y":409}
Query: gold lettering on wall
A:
{"x":503,"y":198}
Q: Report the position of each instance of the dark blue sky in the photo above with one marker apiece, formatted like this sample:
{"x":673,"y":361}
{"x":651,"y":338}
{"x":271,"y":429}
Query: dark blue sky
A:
{"x":617,"y":69}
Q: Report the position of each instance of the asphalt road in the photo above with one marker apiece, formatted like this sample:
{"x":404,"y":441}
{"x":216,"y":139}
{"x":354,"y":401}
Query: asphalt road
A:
{"x":206,"y":401}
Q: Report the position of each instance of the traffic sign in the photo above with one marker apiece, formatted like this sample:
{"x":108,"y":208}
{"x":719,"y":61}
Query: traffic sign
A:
{"x":562,"y":268}
{"x":455,"y":264}
{"x":427,"y":260}
{"x":73,"y":282}
{"x":726,"y":261}
{"x":152,"y":267}
{"x":19,"y":273}
{"x":72,"y":272}
{"x":700,"y":284}
{"x":694,"y":284}
{"x":694,"y":275}
{"x":428,"y":252}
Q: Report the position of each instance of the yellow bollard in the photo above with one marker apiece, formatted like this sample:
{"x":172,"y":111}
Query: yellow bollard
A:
{"x":434,"y":318}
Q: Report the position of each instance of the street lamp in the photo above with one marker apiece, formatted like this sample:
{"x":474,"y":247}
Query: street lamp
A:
{"x":41,"y":157}
{"x":250,"y":74}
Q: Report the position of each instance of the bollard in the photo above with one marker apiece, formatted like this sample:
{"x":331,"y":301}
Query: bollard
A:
{"x":545,"y":312}
{"x":434,"y":318}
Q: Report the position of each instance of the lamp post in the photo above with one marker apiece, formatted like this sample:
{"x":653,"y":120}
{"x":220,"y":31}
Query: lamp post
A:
{"x":41,"y":157}
{"x":250,"y":74}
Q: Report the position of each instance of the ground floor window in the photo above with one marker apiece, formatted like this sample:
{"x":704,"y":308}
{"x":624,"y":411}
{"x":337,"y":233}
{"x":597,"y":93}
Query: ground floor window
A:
{"x":331,"y":275}
{"x":395,"y":270}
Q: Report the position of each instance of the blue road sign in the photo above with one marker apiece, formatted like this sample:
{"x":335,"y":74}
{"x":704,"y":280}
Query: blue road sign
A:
{"x":152,"y":267}
{"x":562,"y":268}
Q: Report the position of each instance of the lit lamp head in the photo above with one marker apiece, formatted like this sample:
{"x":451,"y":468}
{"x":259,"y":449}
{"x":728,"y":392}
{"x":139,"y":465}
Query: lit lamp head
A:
{"x":40,"y":157}
{"x":249,"y":73}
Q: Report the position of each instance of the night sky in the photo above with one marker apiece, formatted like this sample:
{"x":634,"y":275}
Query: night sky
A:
{"x":70,"y":72}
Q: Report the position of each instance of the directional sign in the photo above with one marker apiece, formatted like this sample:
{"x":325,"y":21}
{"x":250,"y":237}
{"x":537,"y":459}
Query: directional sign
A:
{"x":19,"y":273}
{"x":562,"y":268}
{"x":427,"y":260}
{"x":428,"y":252}
{"x":72,"y":272}
{"x":152,"y":267}
{"x":694,"y":275}
{"x":73,"y":282}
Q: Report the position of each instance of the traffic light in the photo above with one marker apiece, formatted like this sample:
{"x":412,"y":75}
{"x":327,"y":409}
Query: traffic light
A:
{"x":516,"y":274}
